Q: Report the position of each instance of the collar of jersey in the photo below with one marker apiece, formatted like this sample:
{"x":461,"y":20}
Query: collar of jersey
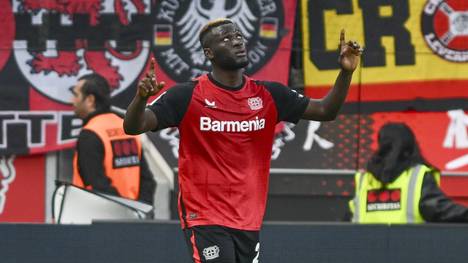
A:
{"x":236,"y":88}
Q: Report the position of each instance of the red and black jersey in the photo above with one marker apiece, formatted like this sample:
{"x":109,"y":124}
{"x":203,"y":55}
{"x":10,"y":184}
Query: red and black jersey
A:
{"x":226,"y":137}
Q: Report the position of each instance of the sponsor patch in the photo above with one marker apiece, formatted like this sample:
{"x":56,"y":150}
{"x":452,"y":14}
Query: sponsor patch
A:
{"x":125,"y":153}
{"x":383,"y":200}
{"x":208,"y":124}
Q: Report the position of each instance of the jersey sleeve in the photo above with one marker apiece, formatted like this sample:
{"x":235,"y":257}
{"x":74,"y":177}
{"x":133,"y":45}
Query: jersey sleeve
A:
{"x":171,"y":105}
{"x":290,"y":104}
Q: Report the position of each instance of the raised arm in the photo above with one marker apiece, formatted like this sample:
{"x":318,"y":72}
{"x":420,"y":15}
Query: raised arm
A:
{"x":138,"y":119}
{"x":326,"y":109}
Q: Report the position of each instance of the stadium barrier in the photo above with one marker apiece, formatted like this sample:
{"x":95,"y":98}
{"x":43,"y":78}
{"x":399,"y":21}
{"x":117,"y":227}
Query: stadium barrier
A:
{"x":150,"y":242}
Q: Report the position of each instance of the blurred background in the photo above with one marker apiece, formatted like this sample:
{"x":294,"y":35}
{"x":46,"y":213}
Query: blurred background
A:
{"x":413,"y":70}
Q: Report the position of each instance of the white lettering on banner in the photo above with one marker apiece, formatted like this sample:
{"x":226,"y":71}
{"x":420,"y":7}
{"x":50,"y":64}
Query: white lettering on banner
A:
{"x":7,"y":176}
{"x":313,"y":136}
{"x":256,"y":53}
{"x":168,"y":9}
{"x":431,"y":6}
{"x":457,"y":137}
{"x":34,"y":123}
{"x":286,"y":135}
{"x":207,"y":124}
{"x":440,"y":49}
{"x":267,"y":6}
{"x":174,"y":61}
{"x":73,"y":125}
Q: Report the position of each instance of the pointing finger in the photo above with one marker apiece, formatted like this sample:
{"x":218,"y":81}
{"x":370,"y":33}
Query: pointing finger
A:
{"x":152,"y":67}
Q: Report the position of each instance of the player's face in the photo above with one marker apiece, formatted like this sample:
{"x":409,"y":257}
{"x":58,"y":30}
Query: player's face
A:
{"x":228,"y":47}
{"x":81,"y":103}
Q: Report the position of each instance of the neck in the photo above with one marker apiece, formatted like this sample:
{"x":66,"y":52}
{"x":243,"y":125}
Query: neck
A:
{"x":230,"y":78}
{"x":92,"y":114}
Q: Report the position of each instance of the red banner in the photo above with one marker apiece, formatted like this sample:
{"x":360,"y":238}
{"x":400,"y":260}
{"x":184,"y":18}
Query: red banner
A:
{"x":22,"y":189}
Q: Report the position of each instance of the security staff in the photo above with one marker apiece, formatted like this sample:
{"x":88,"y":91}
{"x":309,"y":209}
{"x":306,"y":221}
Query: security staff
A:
{"x":107,"y":159}
{"x":400,"y":186}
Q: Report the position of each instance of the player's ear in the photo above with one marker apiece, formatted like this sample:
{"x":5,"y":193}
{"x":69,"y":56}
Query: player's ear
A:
{"x":91,"y":100}
{"x":208,"y":53}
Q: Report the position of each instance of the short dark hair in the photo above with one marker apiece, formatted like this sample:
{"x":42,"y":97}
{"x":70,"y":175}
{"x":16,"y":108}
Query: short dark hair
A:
{"x":209,"y":26}
{"x":98,"y":86}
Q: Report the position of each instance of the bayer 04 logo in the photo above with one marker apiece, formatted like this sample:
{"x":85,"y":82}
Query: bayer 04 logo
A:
{"x":444,"y":25}
{"x":178,"y":23}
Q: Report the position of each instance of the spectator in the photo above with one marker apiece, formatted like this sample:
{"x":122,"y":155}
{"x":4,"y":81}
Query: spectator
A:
{"x":400,"y":186}
{"x":106,"y":159}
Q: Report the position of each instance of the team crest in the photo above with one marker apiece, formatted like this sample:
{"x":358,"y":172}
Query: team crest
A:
{"x":82,"y":39}
{"x":211,"y":252}
{"x":255,"y":103}
{"x":445,"y":28}
{"x":178,"y":23}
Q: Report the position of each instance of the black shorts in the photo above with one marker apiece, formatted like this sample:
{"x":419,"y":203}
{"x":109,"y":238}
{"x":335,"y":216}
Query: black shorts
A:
{"x":222,"y":244}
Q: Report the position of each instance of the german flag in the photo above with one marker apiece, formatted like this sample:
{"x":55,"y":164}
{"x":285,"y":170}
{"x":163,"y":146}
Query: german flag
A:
{"x":269,"y":27}
{"x":162,"y":35}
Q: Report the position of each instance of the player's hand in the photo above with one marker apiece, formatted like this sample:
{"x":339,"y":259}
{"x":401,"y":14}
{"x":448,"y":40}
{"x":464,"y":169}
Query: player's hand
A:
{"x":350,"y":53}
{"x":149,"y":86}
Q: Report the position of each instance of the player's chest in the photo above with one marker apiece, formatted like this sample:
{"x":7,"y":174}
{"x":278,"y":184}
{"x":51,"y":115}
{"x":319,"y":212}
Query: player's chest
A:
{"x":224,"y":105}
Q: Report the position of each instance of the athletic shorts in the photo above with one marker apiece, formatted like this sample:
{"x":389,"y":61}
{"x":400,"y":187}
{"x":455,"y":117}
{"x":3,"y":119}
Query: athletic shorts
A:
{"x":215,"y":243}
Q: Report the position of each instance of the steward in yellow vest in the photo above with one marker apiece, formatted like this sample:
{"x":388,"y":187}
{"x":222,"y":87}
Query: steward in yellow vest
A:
{"x":398,"y":202}
{"x":399,"y":186}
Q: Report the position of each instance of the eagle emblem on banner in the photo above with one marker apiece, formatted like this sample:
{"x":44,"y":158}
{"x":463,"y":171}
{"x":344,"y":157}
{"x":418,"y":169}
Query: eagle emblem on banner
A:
{"x":197,"y":16}
{"x":178,"y":23}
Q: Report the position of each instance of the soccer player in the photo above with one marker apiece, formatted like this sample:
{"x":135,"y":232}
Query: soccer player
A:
{"x":226,"y":122}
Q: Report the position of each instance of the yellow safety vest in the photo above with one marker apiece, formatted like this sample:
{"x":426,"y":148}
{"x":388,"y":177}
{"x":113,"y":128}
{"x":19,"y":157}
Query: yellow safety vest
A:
{"x":398,"y":203}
